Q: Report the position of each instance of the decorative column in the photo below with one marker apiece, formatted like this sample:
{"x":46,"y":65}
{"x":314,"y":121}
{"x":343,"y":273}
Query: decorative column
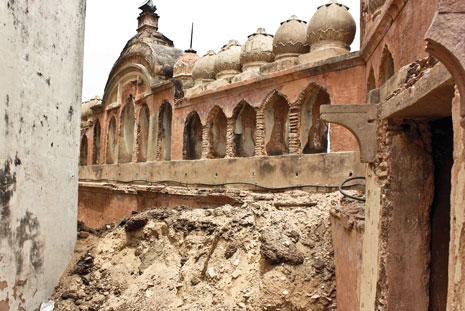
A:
{"x":205,"y":141}
{"x":230,"y":149}
{"x":260,"y":134}
{"x":294,"y":130}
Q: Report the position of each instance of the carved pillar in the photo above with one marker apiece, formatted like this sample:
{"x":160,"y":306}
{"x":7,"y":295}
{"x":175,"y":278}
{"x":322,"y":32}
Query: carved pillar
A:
{"x":294,"y":131}
{"x":260,"y":133}
{"x":375,"y":7}
{"x":230,"y":149}
{"x":205,"y":141}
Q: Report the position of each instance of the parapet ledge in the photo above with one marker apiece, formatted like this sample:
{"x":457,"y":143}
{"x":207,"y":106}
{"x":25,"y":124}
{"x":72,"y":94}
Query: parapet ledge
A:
{"x":272,"y":71}
{"x":360,"y":120}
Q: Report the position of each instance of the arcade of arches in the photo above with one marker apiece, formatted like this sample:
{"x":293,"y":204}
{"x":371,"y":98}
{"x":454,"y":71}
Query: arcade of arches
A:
{"x":140,"y":135}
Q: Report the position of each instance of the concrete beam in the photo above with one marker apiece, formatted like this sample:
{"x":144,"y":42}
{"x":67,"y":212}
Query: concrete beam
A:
{"x":429,"y":98}
{"x":280,"y":171}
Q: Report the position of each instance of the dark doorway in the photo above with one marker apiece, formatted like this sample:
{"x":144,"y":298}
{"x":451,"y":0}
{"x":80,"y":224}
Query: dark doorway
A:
{"x":443,"y":142}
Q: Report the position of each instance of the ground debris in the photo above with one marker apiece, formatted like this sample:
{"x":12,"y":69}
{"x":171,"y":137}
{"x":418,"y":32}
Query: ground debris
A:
{"x":272,"y":253}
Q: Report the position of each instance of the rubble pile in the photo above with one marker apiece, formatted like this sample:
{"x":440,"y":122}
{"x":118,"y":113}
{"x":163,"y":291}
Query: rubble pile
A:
{"x":272,"y":253}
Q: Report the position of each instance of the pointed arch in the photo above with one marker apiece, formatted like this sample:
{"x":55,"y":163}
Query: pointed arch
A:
{"x":127,"y":125}
{"x":276,"y":115}
{"x":387,"y":67}
{"x":217,"y":124}
{"x":313,"y":131}
{"x":111,"y":141}
{"x":165,"y":118}
{"x":143,"y":127}
{"x":84,"y":149}
{"x":192,"y":146}
{"x":96,"y":142}
{"x":245,"y":121}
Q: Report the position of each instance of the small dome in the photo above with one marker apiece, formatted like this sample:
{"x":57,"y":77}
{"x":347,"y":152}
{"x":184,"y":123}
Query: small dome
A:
{"x":86,"y":111}
{"x":185,"y":64}
{"x":204,"y":68}
{"x":332,"y":26}
{"x":257,"y":50}
{"x":228,"y":60}
{"x":290,"y":39}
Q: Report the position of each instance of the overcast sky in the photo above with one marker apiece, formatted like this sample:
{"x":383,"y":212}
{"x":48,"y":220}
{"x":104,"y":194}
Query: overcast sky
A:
{"x":110,"y":24}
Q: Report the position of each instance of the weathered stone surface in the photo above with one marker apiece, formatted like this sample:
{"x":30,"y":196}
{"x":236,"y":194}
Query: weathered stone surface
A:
{"x":456,"y":289}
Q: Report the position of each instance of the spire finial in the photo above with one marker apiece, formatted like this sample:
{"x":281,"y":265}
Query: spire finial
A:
{"x":192,"y":35}
{"x":190,"y":50}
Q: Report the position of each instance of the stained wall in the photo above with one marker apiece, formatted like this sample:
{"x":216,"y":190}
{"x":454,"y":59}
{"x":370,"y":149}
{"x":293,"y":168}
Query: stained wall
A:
{"x":41,"y":53}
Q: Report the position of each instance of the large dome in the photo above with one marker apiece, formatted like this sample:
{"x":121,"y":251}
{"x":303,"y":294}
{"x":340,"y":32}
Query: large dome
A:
{"x":257,"y":50}
{"x":228,"y":60}
{"x":204,"y":68}
{"x":290,"y":39}
{"x":331,"y":28}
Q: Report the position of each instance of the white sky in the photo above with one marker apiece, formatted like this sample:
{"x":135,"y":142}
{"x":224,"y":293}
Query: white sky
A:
{"x":110,"y":24}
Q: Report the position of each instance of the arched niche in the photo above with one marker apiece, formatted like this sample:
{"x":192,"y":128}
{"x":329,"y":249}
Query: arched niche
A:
{"x":127,"y":124}
{"x":371,"y":82}
{"x":387,"y":68}
{"x":276,"y":113}
{"x":83,"y":153}
{"x":143,"y":133}
{"x":217,"y":124}
{"x":192,"y":146}
{"x":313,"y":131}
{"x":245,"y":120}
{"x":96,"y":140}
{"x":134,"y":74}
{"x":111,"y":141}
{"x":165,"y":118}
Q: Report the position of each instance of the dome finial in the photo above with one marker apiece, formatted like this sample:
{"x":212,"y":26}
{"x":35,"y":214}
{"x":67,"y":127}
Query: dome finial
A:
{"x":148,"y":19}
{"x":148,"y":6}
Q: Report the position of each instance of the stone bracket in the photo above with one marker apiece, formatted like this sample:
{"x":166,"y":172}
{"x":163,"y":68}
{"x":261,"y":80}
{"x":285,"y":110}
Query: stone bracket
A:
{"x":361,"y":120}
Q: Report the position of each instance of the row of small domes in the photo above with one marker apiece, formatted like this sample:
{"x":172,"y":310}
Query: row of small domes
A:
{"x":331,"y":26}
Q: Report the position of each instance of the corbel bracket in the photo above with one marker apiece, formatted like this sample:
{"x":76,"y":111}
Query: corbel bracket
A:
{"x":360,"y":120}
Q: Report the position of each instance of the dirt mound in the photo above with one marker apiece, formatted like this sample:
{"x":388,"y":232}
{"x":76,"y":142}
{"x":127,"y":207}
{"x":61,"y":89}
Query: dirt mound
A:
{"x":273,"y":253}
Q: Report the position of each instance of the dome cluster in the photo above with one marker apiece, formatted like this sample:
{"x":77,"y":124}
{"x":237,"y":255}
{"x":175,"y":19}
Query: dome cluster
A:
{"x":329,"y":33}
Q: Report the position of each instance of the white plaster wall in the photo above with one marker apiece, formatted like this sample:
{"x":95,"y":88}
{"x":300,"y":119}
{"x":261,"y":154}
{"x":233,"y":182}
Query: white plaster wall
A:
{"x":41,"y":53}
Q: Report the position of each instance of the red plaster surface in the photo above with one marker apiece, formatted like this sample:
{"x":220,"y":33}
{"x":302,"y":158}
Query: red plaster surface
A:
{"x":405,"y":36}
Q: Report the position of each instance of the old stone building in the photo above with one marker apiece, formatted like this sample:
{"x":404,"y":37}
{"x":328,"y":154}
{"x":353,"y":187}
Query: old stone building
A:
{"x":298,"y":108}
